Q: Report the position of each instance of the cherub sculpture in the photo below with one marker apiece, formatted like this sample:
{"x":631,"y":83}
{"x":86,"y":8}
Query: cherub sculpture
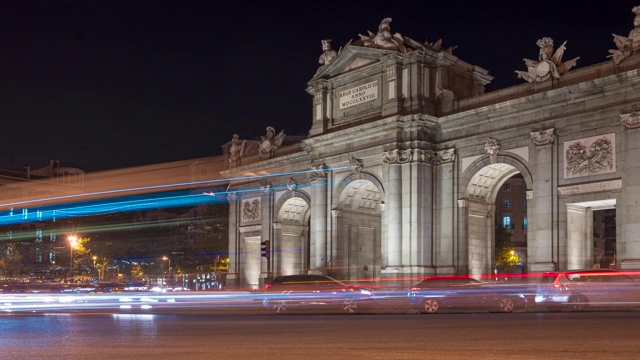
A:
{"x":627,"y":45}
{"x":271,"y":141}
{"x":549,"y":63}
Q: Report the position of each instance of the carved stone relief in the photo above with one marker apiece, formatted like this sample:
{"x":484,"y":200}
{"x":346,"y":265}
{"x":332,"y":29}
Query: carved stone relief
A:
{"x":590,"y":156}
{"x":251,"y":210}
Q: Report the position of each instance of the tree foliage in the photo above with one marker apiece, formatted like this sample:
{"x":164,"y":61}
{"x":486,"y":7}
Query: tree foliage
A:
{"x":506,"y":258}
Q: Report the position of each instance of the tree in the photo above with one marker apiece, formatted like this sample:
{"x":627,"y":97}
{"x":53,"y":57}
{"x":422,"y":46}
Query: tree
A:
{"x":10,"y":260}
{"x":506,"y":258}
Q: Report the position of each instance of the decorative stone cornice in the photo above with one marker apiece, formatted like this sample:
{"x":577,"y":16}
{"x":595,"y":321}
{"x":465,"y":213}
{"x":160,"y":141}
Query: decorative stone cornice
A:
{"x":543,"y":137}
{"x":630,"y":120}
{"x":398,"y":156}
{"x":308,"y":149}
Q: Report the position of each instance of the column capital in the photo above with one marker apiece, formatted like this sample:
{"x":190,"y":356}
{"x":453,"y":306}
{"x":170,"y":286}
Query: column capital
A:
{"x":397,"y":156}
{"x":543,"y":137}
{"x":319,"y":172}
{"x":445,"y":156}
{"x":265,"y":190}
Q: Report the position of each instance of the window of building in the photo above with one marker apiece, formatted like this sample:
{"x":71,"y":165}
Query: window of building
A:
{"x":507,"y":203}
{"x":524,"y":223}
{"x":506,"y":222}
{"x":506,"y":187}
{"x":525,"y":203}
{"x":39,"y":235}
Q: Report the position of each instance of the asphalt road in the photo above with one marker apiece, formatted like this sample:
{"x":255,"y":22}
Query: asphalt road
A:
{"x":525,"y":335}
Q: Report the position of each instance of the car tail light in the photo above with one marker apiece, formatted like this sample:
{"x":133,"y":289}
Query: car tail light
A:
{"x":267,"y":286}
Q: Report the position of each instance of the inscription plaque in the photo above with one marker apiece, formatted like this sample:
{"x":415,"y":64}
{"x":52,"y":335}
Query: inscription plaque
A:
{"x":358,"y":95}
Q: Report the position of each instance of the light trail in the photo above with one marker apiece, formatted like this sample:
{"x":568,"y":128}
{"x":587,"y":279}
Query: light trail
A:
{"x":166,"y":186}
{"x":174,"y":199}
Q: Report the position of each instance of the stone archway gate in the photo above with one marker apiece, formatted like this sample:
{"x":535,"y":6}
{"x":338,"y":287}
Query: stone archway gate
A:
{"x":398,"y":175}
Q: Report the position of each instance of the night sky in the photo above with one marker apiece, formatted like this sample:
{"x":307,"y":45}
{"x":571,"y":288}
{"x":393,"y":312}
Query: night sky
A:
{"x":113,"y":84}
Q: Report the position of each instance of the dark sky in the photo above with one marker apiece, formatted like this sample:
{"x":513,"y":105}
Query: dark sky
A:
{"x":112,"y":84}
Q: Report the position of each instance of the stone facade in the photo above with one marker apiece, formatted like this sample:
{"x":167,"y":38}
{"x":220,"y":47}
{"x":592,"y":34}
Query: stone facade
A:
{"x":405,"y":154}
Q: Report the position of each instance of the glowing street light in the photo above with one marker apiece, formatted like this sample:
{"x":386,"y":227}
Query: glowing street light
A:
{"x":94,"y":266}
{"x":73,"y":241}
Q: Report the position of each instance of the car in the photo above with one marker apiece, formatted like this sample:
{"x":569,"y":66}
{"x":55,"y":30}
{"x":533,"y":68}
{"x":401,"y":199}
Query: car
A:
{"x":578,"y":290}
{"x":463,"y":293}
{"x":315,"y":292}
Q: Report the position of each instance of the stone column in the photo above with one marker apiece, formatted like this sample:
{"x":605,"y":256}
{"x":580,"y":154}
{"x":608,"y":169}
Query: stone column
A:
{"x":318,"y":221}
{"x":266,"y":216}
{"x":333,"y":246}
{"x":393,"y":207}
{"x":234,"y":268}
{"x":445,"y":211}
{"x":543,"y":219}
{"x":628,"y":229}
{"x":417,"y":197}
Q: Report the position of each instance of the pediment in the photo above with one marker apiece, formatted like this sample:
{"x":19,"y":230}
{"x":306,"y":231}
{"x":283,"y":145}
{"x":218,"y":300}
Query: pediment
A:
{"x":350,"y":58}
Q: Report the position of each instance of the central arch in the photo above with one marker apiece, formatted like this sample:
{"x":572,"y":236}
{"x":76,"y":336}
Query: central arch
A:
{"x":480,"y":185}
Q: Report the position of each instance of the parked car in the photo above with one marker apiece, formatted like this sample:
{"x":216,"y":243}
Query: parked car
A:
{"x":437,"y":293}
{"x":315,"y":292}
{"x":595,"y":288}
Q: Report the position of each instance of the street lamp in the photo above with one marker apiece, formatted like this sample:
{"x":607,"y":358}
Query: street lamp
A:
{"x":73,"y":240}
{"x":94,"y":267}
{"x":167,"y":258}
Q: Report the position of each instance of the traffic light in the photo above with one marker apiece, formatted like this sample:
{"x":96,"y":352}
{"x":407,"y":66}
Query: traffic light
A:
{"x":264,"y":250}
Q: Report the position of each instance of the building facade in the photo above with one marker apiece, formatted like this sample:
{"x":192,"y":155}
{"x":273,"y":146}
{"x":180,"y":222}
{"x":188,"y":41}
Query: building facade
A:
{"x":406,"y":154}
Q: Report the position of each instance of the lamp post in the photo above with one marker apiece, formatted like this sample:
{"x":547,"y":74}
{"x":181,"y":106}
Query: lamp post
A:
{"x":73,"y":240}
{"x":169,"y":270}
{"x":94,"y":267}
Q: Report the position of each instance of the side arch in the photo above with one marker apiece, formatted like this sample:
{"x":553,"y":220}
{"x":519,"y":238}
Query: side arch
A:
{"x":290,"y":248}
{"x":356,"y":242}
